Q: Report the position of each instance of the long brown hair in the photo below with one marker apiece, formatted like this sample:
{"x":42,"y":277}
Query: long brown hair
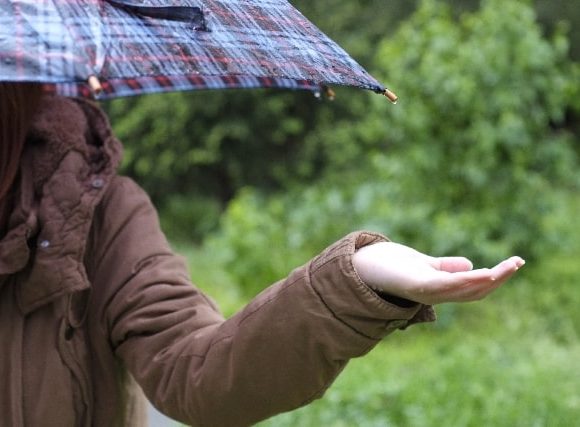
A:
{"x":18,"y":103}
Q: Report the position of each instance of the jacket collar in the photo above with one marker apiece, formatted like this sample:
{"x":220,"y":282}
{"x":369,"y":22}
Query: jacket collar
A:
{"x":70,"y":158}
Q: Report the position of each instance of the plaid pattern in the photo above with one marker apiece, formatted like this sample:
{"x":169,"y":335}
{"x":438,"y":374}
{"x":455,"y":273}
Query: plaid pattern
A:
{"x":132,"y":50}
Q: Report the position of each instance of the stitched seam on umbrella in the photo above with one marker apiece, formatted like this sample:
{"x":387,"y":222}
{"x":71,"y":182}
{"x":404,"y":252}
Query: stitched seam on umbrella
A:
{"x":190,"y":14}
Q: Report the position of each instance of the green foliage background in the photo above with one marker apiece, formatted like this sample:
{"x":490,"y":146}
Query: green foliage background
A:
{"x":480,"y":157}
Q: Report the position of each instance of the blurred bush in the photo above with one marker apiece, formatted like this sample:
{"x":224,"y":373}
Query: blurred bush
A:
{"x":474,"y":160}
{"x":480,"y":130}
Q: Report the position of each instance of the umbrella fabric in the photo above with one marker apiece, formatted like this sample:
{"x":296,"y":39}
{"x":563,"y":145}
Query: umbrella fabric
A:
{"x":134,"y":47}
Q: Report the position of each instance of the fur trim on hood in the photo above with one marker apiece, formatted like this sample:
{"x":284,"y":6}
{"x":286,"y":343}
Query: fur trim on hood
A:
{"x":69,"y":160}
{"x":64,"y":124}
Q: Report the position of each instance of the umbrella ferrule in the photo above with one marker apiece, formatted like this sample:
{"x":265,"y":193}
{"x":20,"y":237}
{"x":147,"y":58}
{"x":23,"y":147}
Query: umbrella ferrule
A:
{"x":330,"y":94}
{"x":391,"y":96}
{"x":95,"y":85}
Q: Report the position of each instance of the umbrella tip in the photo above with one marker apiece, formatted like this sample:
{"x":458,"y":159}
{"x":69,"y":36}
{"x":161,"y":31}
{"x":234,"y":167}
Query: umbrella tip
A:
{"x":391,"y":96}
{"x":95,"y":85}
{"x":326,"y":91}
{"x":330,"y":94}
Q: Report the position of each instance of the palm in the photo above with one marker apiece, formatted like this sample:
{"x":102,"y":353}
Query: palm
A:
{"x":402,"y":271}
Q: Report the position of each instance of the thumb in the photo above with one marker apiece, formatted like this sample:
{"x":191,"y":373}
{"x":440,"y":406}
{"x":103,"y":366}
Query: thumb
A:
{"x":452,"y":264}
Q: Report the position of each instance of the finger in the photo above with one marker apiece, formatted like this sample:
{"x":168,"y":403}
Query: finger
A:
{"x":451,"y":264}
{"x":448,"y":264}
{"x":460,"y":290}
{"x":504,"y":269}
{"x":507,"y":267}
{"x":472,"y":291}
{"x":477,"y":284}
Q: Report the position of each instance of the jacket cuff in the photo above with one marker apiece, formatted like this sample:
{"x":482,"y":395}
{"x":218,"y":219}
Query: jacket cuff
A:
{"x":334,"y":278}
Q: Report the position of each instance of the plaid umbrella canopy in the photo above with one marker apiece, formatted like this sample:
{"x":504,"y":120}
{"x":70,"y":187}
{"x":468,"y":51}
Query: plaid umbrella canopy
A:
{"x":128,"y":47}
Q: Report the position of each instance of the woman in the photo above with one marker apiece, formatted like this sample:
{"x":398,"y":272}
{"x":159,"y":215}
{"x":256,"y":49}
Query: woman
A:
{"x":95,"y":307}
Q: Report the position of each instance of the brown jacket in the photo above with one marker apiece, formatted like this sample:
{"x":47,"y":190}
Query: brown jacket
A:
{"x":94,"y":304}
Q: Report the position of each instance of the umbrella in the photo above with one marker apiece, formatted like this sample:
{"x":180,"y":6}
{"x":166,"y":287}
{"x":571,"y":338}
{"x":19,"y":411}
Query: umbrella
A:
{"x":113,"y":48}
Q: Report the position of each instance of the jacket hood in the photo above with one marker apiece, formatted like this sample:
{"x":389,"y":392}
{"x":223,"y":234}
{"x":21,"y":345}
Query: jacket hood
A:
{"x":68,"y":162}
{"x":67,"y":125}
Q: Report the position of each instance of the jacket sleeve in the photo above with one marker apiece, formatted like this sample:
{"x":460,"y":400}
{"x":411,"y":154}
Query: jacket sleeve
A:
{"x":278,"y":353}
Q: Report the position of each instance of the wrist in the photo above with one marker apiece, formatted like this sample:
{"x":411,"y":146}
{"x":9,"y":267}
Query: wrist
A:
{"x":371,"y":275}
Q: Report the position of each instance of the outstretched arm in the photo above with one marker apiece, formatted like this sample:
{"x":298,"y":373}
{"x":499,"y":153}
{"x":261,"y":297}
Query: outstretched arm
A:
{"x":401,"y":271}
{"x":280,"y":352}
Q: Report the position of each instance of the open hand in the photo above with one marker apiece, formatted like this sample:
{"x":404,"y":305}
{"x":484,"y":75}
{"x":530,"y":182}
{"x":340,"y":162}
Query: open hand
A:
{"x":404,"y":272}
